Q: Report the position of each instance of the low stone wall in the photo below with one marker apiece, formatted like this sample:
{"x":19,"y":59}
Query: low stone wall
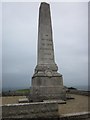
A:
{"x":79,"y":92}
{"x":76,"y":116}
{"x":30,"y":110}
{"x":38,"y":111}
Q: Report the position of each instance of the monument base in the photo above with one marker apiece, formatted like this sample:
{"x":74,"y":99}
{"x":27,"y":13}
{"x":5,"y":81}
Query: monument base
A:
{"x":46,"y":88}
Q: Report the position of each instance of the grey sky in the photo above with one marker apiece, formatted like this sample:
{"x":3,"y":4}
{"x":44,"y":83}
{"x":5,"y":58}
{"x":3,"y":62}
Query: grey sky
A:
{"x":20,"y":33}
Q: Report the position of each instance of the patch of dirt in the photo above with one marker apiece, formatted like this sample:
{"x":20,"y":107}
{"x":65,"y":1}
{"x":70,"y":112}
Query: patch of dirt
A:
{"x":79,"y":104}
{"x":11,"y":99}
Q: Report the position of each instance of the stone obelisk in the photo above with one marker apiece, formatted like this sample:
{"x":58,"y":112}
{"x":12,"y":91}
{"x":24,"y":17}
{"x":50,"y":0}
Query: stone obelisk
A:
{"x":47,"y":83}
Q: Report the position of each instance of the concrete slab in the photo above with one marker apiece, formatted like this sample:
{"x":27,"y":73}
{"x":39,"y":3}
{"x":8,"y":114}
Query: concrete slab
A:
{"x":25,"y":100}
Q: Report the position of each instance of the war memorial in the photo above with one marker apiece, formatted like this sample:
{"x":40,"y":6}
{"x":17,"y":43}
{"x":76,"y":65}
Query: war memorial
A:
{"x":47,"y":91}
{"x":47,"y":83}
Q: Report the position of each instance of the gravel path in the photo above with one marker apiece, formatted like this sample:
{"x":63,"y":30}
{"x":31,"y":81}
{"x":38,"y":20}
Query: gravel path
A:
{"x":11,"y":99}
{"x":79,"y":104}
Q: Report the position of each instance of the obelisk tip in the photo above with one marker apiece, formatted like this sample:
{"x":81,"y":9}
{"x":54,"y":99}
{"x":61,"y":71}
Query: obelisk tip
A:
{"x":44,"y":3}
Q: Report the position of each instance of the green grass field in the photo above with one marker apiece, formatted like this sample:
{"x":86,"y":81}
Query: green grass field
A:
{"x":23,"y":91}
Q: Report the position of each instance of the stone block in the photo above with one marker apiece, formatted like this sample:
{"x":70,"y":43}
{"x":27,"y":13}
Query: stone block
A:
{"x":30,"y":110}
{"x":25,"y":100}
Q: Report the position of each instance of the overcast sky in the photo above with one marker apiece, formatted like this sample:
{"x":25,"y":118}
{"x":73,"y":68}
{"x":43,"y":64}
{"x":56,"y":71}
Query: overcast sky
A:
{"x":20,"y":33}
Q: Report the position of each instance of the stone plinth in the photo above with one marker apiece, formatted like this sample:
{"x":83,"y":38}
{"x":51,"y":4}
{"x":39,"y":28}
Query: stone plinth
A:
{"x":46,"y":87}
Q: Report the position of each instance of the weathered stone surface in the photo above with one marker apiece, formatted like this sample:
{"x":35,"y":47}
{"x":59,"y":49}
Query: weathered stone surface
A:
{"x":45,"y":43}
{"x":76,"y":116}
{"x":47,"y":83}
{"x":30,"y":110}
{"x":38,"y":111}
{"x":47,"y":88}
{"x":24,"y":100}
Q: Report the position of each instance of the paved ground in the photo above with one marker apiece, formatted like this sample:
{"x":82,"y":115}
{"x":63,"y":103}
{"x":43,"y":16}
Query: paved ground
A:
{"x":11,"y":99}
{"x":79,"y":104}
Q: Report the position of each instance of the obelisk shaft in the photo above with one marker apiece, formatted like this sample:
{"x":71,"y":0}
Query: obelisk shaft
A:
{"x":45,"y":38}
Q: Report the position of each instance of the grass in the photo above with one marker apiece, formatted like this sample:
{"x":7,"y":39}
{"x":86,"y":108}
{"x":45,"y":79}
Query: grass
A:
{"x":23,"y":91}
